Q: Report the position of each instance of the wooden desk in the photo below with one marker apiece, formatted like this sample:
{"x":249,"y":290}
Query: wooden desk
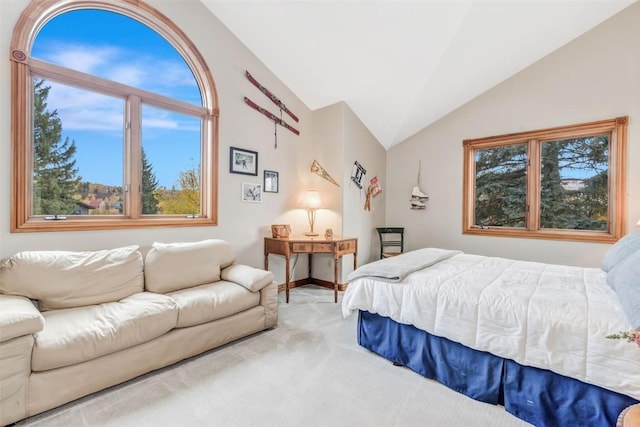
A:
{"x":311,"y":245}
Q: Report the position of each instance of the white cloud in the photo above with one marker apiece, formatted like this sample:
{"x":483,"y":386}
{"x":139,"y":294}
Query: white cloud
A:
{"x":81,"y":58}
{"x":121,"y":65}
{"x":82,"y":109}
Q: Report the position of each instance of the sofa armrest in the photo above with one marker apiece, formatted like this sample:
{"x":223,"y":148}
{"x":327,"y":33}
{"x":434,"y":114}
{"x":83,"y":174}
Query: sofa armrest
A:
{"x":269,"y":300}
{"x":251,"y":278}
{"x":18,"y":317}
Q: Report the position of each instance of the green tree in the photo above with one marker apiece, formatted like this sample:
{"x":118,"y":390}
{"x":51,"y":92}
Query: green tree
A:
{"x":182,"y":200}
{"x":501,"y":177}
{"x":55,"y":175}
{"x":149,"y":187}
{"x":584,"y":207}
{"x":573,"y":187}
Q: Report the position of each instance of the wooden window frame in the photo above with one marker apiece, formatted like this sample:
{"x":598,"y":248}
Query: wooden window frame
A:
{"x":617,"y":128}
{"x":24,"y":69}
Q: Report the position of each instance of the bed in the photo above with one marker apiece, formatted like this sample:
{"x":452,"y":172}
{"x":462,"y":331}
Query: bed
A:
{"x":526,"y":335}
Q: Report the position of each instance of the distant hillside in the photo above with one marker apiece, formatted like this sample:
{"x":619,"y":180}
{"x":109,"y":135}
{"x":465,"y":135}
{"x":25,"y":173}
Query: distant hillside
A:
{"x":100,"y":199}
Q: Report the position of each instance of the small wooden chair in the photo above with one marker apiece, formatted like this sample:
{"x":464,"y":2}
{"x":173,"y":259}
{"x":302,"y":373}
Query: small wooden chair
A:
{"x":391,"y":238}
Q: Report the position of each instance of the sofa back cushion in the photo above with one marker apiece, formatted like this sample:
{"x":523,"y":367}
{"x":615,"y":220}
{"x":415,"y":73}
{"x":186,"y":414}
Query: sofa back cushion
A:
{"x":64,"y":279}
{"x":170,"y":267}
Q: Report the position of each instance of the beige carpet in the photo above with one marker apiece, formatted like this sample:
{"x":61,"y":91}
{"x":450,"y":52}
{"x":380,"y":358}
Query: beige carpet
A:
{"x":307,"y":372}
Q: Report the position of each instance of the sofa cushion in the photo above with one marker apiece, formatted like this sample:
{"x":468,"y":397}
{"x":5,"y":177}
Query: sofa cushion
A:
{"x":251,"y":278}
{"x":79,"y":334}
{"x":64,"y":279}
{"x":174,"y":266}
{"x":212,"y":301}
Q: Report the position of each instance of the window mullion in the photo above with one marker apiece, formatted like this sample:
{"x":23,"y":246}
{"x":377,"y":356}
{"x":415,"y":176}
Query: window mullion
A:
{"x":618,"y":178}
{"x":133,"y":156}
{"x":533,"y":185}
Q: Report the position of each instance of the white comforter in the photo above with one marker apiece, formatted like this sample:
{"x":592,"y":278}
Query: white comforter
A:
{"x":548,"y":316}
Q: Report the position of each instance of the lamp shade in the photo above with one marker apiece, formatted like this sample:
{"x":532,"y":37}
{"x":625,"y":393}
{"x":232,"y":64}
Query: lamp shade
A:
{"x":311,"y":200}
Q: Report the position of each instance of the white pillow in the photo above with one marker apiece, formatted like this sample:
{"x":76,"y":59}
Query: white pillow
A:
{"x":170,"y":267}
{"x":624,"y":278}
{"x":64,"y":279}
{"x":621,"y":250}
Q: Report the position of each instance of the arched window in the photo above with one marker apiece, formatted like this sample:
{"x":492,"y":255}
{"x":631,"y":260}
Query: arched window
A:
{"x":114,"y":120}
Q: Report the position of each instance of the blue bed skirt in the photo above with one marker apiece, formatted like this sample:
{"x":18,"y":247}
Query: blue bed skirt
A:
{"x":538,"y":396}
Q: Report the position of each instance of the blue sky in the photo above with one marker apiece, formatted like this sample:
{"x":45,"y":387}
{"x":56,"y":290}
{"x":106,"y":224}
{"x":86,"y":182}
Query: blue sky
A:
{"x":121,"y":49}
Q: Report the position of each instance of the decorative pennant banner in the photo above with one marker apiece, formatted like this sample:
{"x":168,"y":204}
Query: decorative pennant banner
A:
{"x":319,"y":170}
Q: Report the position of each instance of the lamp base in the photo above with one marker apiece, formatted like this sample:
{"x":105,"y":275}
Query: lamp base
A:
{"x":310,"y":233}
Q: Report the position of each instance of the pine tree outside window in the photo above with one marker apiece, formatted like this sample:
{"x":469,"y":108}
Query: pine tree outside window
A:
{"x":561,"y":183}
{"x":102,"y":143}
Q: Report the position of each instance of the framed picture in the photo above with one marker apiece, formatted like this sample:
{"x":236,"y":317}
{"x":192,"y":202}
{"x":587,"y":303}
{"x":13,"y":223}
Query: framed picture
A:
{"x":251,"y":193}
{"x":243,"y":161}
{"x":270,"y":181}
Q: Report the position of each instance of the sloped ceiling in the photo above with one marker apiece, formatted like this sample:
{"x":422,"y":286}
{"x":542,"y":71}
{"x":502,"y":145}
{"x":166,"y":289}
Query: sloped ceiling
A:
{"x":402,"y":65}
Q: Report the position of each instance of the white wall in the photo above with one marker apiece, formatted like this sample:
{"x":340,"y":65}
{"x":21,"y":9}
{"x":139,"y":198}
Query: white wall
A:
{"x":324,"y":134}
{"x":361,"y":146}
{"x":242,"y":224}
{"x":341,"y":139}
{"x":327,"y":135}
{"x":595,"y":77}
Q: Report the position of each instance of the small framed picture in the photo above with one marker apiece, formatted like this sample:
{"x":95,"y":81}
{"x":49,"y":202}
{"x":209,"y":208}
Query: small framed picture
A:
{"x":270,"y":181}
{"x":251,"y":193}
{"x":243,"y":161}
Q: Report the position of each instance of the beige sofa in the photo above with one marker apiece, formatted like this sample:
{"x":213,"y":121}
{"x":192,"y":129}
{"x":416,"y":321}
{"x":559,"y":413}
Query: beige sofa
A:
{"x":73,"y":323}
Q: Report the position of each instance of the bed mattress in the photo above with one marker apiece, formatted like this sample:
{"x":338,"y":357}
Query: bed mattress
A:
{"x":553,"y":317}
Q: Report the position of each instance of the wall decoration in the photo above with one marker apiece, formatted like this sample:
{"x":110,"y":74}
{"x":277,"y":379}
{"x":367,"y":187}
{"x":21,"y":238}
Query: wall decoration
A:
{"x":251,"y":192}
{"x":357,"y":174}
{"x":372,"y":191}
{"x":319,"y":170}
{"x":271,"y":96}
{"x":375,"y":186}
{"x":271,"y":184}
{"x":418,"y":198}
{"x":243,"y":161}
{"x":277,"y":120}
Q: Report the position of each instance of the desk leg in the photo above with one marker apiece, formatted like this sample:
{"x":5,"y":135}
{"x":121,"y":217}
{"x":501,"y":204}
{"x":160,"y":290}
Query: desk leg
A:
{"x":335,"y":278}
{"x":286,"y":280}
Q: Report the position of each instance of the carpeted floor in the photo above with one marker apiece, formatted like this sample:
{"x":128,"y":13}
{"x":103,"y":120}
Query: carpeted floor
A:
{"x":307,"y":372}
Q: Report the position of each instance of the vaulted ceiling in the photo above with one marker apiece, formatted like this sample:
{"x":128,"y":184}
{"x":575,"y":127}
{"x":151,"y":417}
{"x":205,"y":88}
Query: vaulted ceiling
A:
{"x":402,"y":65}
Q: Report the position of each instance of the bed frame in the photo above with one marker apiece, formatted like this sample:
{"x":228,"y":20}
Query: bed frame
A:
{"x":537,"y":396}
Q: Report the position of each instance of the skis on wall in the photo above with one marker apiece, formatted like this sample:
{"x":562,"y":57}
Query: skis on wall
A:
{"x":271,"y":96}
{"x":270,"y":115}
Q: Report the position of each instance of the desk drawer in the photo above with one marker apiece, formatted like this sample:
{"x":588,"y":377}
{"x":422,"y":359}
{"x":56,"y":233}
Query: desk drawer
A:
{"x":322,"y":247}
{"x":302,"y":247}
{"x":348,"y":246}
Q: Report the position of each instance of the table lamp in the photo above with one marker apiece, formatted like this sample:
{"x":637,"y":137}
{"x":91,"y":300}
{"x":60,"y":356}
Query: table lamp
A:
{"x":311,"y":201}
